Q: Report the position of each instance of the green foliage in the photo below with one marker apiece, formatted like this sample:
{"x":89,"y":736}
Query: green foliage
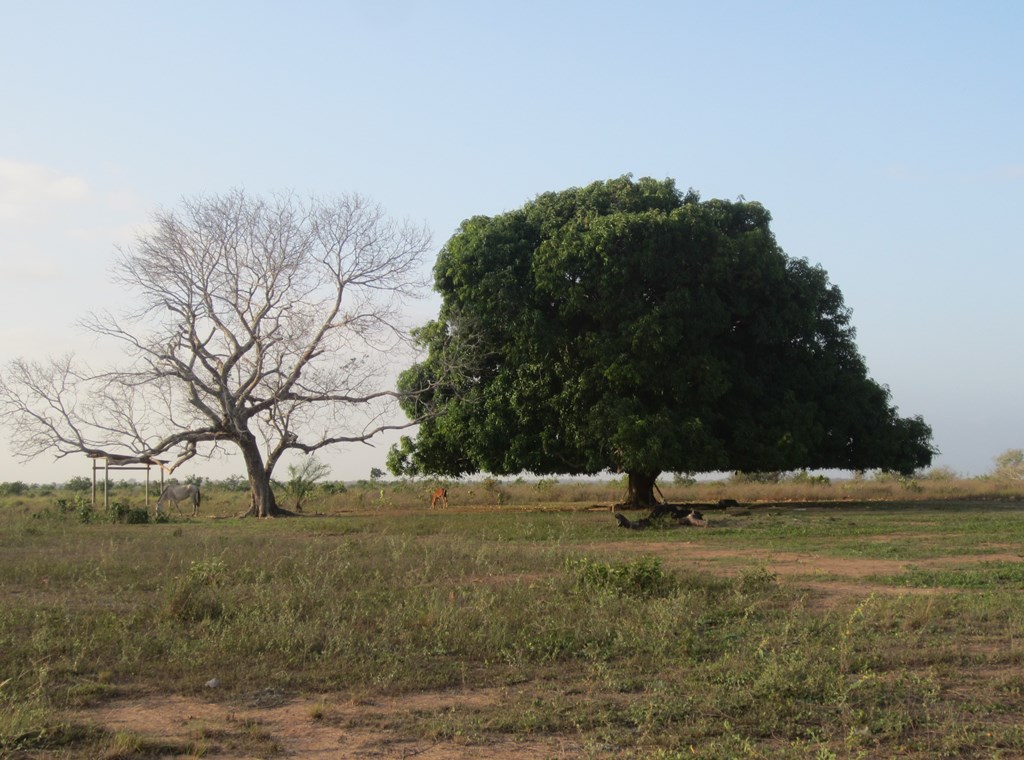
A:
{"x":78,"y":484}
{"x":235,"y":483}
{"x":643,"y":577}
{"x":65,"y":507}
{"x":120,"y":512}
{"x":986,"y":575}
{"x":193,"y":597}
{"x":14,"y":488}
{"x":302,"y":479}
{"x":631,"y":327}
{"x":82,"y":509}
{"x":757,"y":581}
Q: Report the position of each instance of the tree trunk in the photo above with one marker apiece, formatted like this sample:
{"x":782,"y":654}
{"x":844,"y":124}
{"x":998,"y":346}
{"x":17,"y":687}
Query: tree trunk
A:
{"x":263,"y":503}
{"x":641,"y":490}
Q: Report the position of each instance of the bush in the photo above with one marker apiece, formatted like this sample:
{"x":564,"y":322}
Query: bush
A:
{"x":15,"y":488}
{"x":941,"y":473}
{"x":234,"y":483}
{"x":79,"y":483}
{"x":1010,"y":465}
{"x":119,"y":512}
{"x":137,"y":516}
{"x":492,"y":487}
{"x":303,"y":477}
{"x":79,"y":506}
{"x":642,"y":578}
{"x":84,"y":512}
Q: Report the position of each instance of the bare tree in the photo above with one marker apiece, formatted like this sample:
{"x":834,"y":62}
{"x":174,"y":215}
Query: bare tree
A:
{"x":261,"y":324}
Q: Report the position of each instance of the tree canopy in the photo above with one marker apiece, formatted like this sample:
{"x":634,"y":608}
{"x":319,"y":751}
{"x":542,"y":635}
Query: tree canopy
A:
{"x":627,"y":326}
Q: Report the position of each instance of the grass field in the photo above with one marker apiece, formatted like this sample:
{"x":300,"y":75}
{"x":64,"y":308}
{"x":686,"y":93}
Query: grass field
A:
{"x":522,"y":622}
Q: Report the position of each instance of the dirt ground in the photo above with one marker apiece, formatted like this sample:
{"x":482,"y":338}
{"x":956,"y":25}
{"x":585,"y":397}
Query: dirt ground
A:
{"x":334,"y":726}
{"x":316,"y":728}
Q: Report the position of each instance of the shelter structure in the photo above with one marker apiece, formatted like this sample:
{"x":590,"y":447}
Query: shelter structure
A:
{"x":122,"y":462}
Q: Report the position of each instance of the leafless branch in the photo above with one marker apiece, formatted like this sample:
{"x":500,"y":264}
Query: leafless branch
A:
{"x":252,"y":316}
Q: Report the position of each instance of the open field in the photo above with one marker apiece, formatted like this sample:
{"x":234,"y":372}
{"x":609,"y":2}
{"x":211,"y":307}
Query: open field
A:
{"x":510,"y":626}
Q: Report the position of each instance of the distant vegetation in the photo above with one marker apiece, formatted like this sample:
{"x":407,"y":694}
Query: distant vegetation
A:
{"x":307,"y":489}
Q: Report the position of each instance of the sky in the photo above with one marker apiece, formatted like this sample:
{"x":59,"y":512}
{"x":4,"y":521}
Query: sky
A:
{"x":885,"y":138}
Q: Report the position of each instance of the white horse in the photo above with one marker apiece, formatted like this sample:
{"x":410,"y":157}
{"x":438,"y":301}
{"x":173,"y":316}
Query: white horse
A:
{"x":180,"y":493}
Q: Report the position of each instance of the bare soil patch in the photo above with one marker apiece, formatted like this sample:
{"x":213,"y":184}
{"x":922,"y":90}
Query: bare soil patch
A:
{"x":790,"y":564}
{"x":318,"y":728}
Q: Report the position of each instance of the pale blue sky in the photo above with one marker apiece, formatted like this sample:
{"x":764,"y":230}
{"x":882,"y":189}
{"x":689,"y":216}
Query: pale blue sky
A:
{"x":885,"y":138}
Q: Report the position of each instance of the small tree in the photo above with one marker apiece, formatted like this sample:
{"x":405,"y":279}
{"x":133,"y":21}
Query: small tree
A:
{"x":14,"y":488}
{"x":1010,"y":465}
{"x":263,"y":325}
{"x":78,"y":483}
{"x":303,"y":477}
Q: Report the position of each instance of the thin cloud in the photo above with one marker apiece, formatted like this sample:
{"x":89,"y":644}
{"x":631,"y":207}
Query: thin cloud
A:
{"x":1013,"y":171}
{"x":28,"y":191}
{"x":38,"y":270}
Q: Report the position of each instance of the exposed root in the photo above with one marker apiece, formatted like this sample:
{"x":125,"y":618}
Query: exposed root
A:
{"x":671,"y":515}
{"x":278,"y":512}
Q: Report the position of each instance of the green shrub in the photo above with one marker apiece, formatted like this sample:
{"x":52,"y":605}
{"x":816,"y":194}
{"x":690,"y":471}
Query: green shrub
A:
{"x":197,"y":595}
{"x":234,"y":483}
{"x":78,"y":483}
{"x":643,"y":577}
{"x":302,"y":479}
{"x":84,"y":512}
{"x":119,"y":512}
{"x":757,"y":581}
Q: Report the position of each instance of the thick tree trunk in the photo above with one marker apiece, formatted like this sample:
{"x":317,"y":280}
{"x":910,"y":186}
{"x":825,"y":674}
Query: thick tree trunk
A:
{"x":641,"y":490}
{"x":263,"y":503}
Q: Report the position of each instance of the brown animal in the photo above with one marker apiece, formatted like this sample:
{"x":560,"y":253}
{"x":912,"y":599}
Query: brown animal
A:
{"x":440,"y":495}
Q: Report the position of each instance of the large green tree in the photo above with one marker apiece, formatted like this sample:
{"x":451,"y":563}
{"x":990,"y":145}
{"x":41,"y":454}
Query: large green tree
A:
{"x":626,"y":326}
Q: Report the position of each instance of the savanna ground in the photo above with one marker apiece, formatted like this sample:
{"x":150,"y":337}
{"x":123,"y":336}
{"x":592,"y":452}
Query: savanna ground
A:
{"x":874,"y":619}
